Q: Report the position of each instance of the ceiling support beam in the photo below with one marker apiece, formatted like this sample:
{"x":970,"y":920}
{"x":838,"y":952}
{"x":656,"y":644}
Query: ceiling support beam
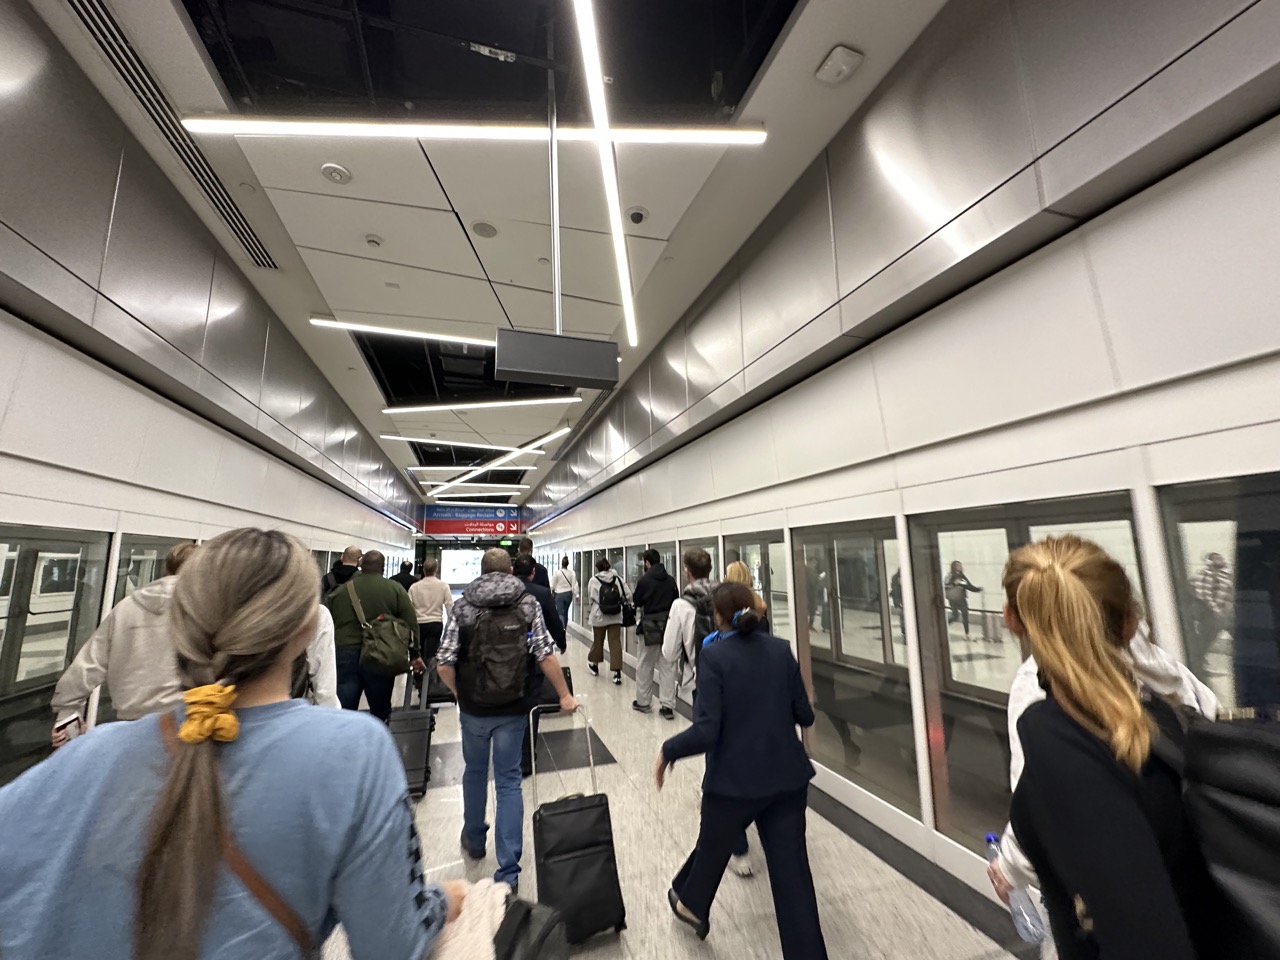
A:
{"x":553,"y":163}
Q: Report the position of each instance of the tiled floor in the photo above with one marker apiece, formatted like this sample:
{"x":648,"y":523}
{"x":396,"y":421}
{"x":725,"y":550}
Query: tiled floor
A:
{"x":868,"y":909}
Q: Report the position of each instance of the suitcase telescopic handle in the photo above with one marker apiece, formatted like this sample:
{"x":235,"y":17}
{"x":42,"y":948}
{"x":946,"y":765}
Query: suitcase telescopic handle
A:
{"x":533,"y":745}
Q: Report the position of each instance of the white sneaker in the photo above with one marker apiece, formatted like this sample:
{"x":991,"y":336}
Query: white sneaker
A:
{"x":741,"y":865}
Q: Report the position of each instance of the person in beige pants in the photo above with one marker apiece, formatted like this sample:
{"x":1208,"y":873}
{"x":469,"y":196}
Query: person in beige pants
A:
{"x":605,"y":625}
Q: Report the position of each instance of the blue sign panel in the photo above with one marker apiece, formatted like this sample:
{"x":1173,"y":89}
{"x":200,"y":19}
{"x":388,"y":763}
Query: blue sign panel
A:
{"x":437,"y":511}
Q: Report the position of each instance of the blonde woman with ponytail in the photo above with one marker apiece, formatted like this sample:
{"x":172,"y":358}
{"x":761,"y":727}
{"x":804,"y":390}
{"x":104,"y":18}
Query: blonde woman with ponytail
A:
{"x":1100,"y":820}
{"x":243,"y":824}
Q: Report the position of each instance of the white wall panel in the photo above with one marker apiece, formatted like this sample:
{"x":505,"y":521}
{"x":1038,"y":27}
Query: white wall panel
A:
{"x":177,"y":454}
{"x":737,"y":463}
{"x":1187,"y":270}
{"x":13,"y":349}
{"x":1252,"y":449}
{"x":690,"y":475}
{"x":835,"y":421}
{"x":1002,"y":351}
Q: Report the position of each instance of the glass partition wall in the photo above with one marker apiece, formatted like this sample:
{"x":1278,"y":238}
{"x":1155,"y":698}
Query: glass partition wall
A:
{"x":765,"y":555}
{"x":968,"y":657}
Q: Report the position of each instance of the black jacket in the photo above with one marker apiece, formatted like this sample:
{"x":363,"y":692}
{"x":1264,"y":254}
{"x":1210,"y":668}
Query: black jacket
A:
{"x":405,"y":580}
{"x":540,"y":576}
{"x":549,"y":613}
{"x":1118,"y":842}
{"x":335,"y":578}
{"x":655,"y":592}
{"x":750,"y":698}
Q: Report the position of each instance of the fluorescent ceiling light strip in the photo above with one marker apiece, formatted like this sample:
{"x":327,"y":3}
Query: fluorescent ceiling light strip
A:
{"x":244,"y":126}
{"x":474,"y":493}
{"x":399,"y":332}
{"x":505,"y":458}
{"x":458,"y":443}
{"x":594,"y":73}
{"x":482,"y":405}
{"x":490,"y":486}
{"x":514,"y":466}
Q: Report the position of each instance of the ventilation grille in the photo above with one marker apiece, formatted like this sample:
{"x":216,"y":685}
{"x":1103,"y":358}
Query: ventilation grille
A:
{"x":104,"y":29}
{"x":583,"y":422}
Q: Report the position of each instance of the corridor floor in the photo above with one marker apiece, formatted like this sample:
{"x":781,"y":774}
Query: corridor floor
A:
{"x":868,"y":909}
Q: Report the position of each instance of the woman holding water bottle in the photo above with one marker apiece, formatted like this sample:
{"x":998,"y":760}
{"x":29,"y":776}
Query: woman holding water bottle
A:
{"x":1100,"y":818}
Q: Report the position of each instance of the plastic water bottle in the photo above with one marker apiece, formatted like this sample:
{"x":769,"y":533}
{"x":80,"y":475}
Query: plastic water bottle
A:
{"x":1026,"y":918}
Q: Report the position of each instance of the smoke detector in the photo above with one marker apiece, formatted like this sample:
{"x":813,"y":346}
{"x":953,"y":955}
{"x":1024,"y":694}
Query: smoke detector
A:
{"x":484,"y":229}
{"x":839,"y":65}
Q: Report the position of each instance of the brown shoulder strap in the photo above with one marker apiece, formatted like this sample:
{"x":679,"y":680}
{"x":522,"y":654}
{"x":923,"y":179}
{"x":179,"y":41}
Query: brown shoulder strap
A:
{"x":253,"y":881}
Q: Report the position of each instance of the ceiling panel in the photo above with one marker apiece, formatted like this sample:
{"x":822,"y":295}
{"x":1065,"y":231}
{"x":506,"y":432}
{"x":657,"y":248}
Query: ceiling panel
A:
{"x":354,"y":283}
{"x":494,"y":178}
{"x":414,"y":236}
{"x":392,"y":170}
{"x":587,"y":264}
{"x":531,"y":310}
{"x":664,"y":179}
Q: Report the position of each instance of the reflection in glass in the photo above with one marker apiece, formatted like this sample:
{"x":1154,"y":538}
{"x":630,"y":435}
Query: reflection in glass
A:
{"x":864,"y":728}
{"x":891,"y":573}
{"x":712,"y":546}
{"x":1224,"y":542}
{"x":631,"y":571}
{"x":958,"y":559}
{"x":779,"y":602}
{"x":765,"y":556}
{"x":142,"y":561}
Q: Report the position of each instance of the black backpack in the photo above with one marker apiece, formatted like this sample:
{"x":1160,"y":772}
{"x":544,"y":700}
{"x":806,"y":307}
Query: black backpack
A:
{"x":610,"y":598}
{"x":1231,"y":791}
{"x":495,"y":669}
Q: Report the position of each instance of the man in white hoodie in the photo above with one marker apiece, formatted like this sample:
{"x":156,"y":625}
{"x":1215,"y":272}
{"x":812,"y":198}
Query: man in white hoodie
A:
{"x":132,"y":651}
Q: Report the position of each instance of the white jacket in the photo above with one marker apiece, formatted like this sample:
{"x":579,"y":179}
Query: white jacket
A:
{"x":322,"y":662}
{"x":598,"y":618}
{"x":132,"y":652}
{"x":1153,"y":668}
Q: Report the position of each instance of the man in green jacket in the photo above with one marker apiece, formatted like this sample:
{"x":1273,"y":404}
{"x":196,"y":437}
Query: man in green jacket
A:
{"x":378,"y":595}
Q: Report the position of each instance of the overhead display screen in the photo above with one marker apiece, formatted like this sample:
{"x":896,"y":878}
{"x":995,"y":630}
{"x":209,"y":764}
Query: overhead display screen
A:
{"x":460,"y":566}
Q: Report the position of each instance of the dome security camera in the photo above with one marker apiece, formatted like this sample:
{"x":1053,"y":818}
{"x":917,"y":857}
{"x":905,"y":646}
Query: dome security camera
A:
{"x":637,"y":215}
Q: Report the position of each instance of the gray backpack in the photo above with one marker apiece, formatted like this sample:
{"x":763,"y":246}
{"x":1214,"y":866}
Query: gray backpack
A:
{"x":494,"y":671}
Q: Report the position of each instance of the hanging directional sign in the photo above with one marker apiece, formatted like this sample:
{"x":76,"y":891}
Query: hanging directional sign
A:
{"x":441,"y":520}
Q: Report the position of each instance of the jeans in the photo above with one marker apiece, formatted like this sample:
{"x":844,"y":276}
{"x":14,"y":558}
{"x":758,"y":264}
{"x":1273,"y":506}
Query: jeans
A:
{"x":781,"y":821}
{"x":563,"y":602}
{"x":654,"y":670}
{"x":354,"y":680}
{"x":504,"y":735}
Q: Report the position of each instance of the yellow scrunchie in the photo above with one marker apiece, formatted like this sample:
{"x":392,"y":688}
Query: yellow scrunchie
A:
{"x":209,"y":714}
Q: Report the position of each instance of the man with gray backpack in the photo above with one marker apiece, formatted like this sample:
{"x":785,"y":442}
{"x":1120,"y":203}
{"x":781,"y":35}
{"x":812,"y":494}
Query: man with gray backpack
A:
{"x":495,"y":656}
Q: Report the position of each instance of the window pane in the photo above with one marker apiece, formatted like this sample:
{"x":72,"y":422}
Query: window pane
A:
{"x":891,"y":573}
{"x":142,"y":561}
{"x":1224,"y":541}
{"x":864,"y":727}
{"x":969,"y":658}
{"x":779,"y":602}
{"x":712,"y":547}
{"x":764,"y":555}
{"x":631,"y":572}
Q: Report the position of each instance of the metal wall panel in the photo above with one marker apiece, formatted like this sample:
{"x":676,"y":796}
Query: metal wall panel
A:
{"x":714,"y":341}
{"x":1081,"y":56}
{"x":282,"y":375}
{"x":235,"y":342}
{"x":947,"y":127}
{"x":61,"y":150}
{"x":159,"y":257}
{"x":668,"y":378}
{"x":636,"y":425}
{"x":789,"y":271}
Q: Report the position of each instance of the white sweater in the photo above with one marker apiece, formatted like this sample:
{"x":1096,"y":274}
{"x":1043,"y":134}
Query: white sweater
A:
{"x":1153,"y":667}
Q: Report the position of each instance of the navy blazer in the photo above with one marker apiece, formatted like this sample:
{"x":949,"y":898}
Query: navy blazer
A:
{"x":750,"y":698}
{"x":549,"y":613}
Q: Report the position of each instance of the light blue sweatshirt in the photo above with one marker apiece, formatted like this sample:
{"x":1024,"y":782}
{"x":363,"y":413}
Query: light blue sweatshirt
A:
{"x":317,"y":802}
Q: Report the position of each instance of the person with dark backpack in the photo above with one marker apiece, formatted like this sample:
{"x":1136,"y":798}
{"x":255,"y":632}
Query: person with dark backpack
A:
{"x":655,"y":593}
{"x":606,"y":596}
{"x":495,"y":656}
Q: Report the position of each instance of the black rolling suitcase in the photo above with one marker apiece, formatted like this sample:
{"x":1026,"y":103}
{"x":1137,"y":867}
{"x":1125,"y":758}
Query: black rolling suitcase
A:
{"x":574,"y":857}
{"x":530,"y":931}
{"x":411,"y":728}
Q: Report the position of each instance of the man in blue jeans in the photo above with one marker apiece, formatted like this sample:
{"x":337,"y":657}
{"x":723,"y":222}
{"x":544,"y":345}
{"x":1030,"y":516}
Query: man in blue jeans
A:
{"x":494,"y":618}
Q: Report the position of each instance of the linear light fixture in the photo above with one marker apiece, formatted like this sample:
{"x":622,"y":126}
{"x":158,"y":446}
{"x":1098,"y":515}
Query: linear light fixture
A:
{"x":474,"y":493}
{"x":533,"y":466}
{"x":593,"y":70}
{"x":505,"y":458}
{"x":482,"y":405}
{"x":399,"y":332}
{"x":530,"y":133}
{"x":489,"y":486}
{"x":458,"y":443}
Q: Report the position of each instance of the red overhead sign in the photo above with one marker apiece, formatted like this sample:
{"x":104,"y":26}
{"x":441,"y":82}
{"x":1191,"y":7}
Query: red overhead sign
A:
{"x":470,"y":521}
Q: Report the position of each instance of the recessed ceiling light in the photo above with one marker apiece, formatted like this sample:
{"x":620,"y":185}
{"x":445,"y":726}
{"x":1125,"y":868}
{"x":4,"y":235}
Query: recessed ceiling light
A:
{"x":336,"y":173}
{"x":484,"y":229}
{"x":481,"y":405}
{"x":399,"y":332}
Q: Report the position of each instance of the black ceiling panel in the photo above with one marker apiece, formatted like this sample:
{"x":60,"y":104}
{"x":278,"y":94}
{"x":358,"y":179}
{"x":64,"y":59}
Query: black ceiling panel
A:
{"x":668,"y":60}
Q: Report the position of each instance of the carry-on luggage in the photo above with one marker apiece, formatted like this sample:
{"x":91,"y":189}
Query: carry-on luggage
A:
{"x":574,"y":857}
{"x":530,"y":931}
{"x":411,"y":728}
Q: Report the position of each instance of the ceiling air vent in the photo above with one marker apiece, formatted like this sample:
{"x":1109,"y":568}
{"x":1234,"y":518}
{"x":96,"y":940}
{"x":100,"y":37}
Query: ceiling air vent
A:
{"x":104,"y":29}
